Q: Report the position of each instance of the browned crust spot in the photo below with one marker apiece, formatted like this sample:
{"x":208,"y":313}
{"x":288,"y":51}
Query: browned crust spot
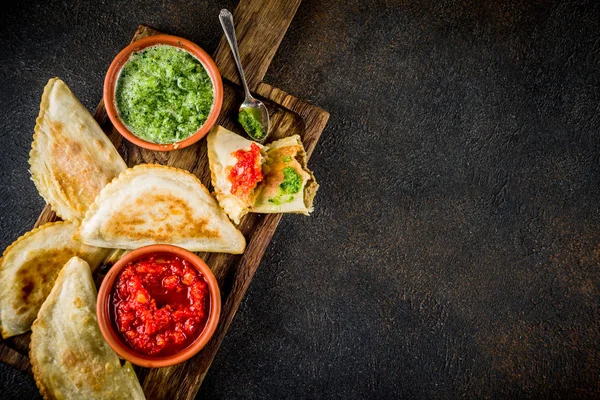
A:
{"x":132,"y":172}
{"x":40,"y":273}
{"x":32,"y":232}
{"x":126,"y":223}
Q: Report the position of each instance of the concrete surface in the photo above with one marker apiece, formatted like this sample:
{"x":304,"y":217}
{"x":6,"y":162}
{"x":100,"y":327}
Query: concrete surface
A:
{"x":455,"y":246}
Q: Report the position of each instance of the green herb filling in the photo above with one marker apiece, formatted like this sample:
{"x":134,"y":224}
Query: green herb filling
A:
{"x":251,"y":123}
{"x":292,"y":183}
{"x":164,"y":94}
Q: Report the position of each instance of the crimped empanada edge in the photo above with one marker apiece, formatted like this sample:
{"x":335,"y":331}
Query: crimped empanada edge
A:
{"x":131,"y":173}
{"x":30,"y":233}
{"x":35,"y":158}
{"x":311,"y":187}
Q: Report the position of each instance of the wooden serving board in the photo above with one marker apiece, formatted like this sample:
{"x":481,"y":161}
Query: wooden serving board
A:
{"x":260,"y":27}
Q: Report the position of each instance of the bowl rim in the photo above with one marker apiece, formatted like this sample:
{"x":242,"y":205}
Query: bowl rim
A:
{"x":112,"y":338}
{"x":112,"y":76}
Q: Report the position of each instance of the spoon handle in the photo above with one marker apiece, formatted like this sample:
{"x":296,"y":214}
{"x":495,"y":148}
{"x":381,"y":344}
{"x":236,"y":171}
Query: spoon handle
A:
{"x":227,"y":23}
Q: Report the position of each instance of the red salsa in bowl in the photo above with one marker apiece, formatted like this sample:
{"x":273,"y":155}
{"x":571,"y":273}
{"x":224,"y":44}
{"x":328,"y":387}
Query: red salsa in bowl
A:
{"x":158,"y":306}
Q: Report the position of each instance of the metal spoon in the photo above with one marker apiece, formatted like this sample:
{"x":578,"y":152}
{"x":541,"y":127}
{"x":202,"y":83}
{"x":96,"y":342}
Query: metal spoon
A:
{"x":250,"y":104}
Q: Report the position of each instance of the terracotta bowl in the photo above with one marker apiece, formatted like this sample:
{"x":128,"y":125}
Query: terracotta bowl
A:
{"x":115,"y":69}
{"x":113,"y":338}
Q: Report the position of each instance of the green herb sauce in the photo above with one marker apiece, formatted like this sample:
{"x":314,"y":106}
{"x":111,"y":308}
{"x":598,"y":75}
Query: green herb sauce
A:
{"x":250,"y":121}
{"x":292,"y":183}
{"x":164,"y":94}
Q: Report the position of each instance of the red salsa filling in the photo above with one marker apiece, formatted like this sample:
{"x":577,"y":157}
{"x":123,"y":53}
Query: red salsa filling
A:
{"x":246,"y":173}
{"x":160,"y":304}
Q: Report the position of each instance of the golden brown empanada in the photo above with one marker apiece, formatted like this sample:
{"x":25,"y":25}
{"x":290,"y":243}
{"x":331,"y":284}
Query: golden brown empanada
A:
{"x":150,"y":204}
{"x":29,"y":267}
{"x":69,"y":357}
{"x":71,"y":158}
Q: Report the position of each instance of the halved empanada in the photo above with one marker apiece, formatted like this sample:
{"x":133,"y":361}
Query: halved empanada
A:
{"x":69,"y":357}
{"x":289,"y":187}
{"x":235,"y":169}
{"x":71,"y":158}
{"x":150,"y":204}
{"x":29,"y":267}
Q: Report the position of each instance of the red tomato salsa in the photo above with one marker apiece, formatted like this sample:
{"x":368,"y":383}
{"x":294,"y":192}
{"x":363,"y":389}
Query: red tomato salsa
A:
{"x":246,"y":173}
{"x":160,"y":304}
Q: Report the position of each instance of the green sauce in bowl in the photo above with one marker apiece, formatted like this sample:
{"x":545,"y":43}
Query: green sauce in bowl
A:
{"x":163,"y":94}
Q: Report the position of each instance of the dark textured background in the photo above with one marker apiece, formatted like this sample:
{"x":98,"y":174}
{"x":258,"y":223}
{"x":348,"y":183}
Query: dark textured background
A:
{"x":454,"y":250}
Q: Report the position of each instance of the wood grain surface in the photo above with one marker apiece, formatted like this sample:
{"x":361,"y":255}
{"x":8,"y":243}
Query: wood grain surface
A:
{"x":234,"y":273}
{"x":260,"y":27}
{"x":454,"y":252}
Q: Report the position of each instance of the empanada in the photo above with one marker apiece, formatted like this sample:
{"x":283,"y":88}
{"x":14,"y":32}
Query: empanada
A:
{"x":71,"y":158}
{"x":68,"y":355}
{"x":29,"y":267}
{"x":151,"y":204}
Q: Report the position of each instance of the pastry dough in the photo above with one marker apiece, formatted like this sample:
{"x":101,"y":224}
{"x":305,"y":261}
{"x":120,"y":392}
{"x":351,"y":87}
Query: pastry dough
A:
{"x":221,"y":145}
{"x":286,"y":155}
{"x":68,"y":355}
{"x":71,"y":158}
{"x":29,"y":267}
{"x":151,"y":204}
